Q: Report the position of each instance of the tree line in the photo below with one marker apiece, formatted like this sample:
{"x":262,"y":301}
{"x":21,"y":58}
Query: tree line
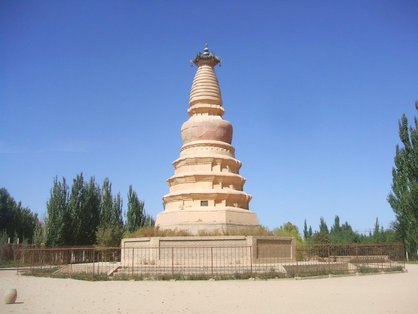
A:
{"x":337,"y":234}
{"x":84,"y":213}
{"x":343,"y":233}
{"x":16,"y":221}
{"x":88,"y":213}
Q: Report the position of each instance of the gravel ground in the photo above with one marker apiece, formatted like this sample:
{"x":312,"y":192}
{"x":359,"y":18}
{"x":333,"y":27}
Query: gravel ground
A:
{"x":382,"y":293}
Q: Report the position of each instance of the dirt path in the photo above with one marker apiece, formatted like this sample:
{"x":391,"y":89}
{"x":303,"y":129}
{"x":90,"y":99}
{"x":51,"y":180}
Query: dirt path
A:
{"x":389,"y":293}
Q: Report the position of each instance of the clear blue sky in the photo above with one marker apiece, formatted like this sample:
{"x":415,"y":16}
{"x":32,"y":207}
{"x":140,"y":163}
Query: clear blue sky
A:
{"x":314,"y":90}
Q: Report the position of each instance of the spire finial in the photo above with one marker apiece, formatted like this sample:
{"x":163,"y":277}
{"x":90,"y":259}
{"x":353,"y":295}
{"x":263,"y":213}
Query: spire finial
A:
{"x":206,"y":49}
{"x":206,"y":57}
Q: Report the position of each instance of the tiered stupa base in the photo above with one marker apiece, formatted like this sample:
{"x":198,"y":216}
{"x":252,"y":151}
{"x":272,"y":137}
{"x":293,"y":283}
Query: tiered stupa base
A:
{"x":208,"y":219}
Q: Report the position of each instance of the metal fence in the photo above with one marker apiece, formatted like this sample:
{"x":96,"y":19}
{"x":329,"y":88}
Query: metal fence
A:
{"x":8,"y":252}
{"x":69,"y":261}
{"x":211,"y":262}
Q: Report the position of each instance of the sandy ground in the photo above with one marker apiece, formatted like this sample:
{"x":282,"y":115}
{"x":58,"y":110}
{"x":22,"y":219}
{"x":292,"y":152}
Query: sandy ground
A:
{"x":383,"y":293}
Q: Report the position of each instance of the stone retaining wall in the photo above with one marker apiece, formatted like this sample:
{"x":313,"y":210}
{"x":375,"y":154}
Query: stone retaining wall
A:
{"x":206,"y":250}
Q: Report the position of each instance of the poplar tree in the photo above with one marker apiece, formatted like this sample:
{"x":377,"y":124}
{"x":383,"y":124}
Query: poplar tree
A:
{"x":117,"y":219}
{"x":110,"y":230}
{"x":342,"y":233}
{"x":305,"y":231}
{"x":73,"y":217}
{"x":76,"y":207}
{"x":404,"y":195}
{"x":7,"y":204}
{"x":323,"y":228}
{"x":136,"y":217}
{"x":88,"y":215}
{"x":106,"y":204}
{"x":322,"y":236}
{"x":58,"y":220}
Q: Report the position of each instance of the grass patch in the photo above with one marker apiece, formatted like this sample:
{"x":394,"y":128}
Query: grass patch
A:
{"x":177,"y":276}
{"x":8,"y":264}
{"x":372,"y":270}
{"x":369,"y":270}
{"x":77,"y":276}
{"x":156,"y":232}
{"x":395,"y":269}
{"x":39,"y":272}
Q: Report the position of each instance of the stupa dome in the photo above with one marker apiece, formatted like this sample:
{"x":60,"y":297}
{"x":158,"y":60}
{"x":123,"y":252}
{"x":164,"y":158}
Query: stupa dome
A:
{"x":206,"y":128}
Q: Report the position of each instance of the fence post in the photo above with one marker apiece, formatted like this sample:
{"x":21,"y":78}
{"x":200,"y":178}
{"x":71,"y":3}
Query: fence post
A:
{"x":18,"y":260}
{"x":211,"y":260}
{"x":172,"y":261}
{"x":94,"y":259}
{"x":98,"y":261}
{"x":329,"y":260}
{"x":133,"y":260}
{"x":71,"y":263}
{"x":251,"y":260}
{"x":357,"y":254}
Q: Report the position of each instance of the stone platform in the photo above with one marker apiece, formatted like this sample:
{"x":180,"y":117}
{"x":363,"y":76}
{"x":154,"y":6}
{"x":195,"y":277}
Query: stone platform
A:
{"x":192,"y":251}
{"x":207,"y":219}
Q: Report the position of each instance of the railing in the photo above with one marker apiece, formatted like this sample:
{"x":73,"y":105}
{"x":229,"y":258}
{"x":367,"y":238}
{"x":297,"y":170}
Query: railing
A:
{"x":347,"y":258}
{"x":68,"y":261}
{"x":211,"y":262}
{"x":8,"y":252}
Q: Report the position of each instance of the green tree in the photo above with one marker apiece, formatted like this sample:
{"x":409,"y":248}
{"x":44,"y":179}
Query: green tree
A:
{"x":336,"y":227}
{"x":378,"y":232}
{"x":149,"y":221}
{"x":117,"y":212}
{"x":15,"y":220}
{"x":58,"y":221}
{"x":88,"y":213}
{"x":323,"y":227}
{"x":39,"y":236}
{"x":73,"y":217}
{"x":106,"y":207}
{"x":335,"y":234}
{"x":345,"y":234}
{"x":25,"y":222}
{"x":111,"y":229}
{"x":290,"y":230}
{"x":117,"y":220}
{"x":404,"y":195}
{"x":322,"y":236}
{"x":342,"y":233}
{"x":390,"y":235}
{"x":76,"y":207}
{"x":7,"y":204}
{"x":305,"y":231}
{"x":136,"y":216}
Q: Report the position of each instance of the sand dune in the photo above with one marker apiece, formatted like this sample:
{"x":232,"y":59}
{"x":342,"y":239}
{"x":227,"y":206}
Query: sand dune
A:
{"x":387,"y":293}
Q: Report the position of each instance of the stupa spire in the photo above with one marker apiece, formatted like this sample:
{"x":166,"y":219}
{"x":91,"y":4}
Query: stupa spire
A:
{"x":205,"y":95}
